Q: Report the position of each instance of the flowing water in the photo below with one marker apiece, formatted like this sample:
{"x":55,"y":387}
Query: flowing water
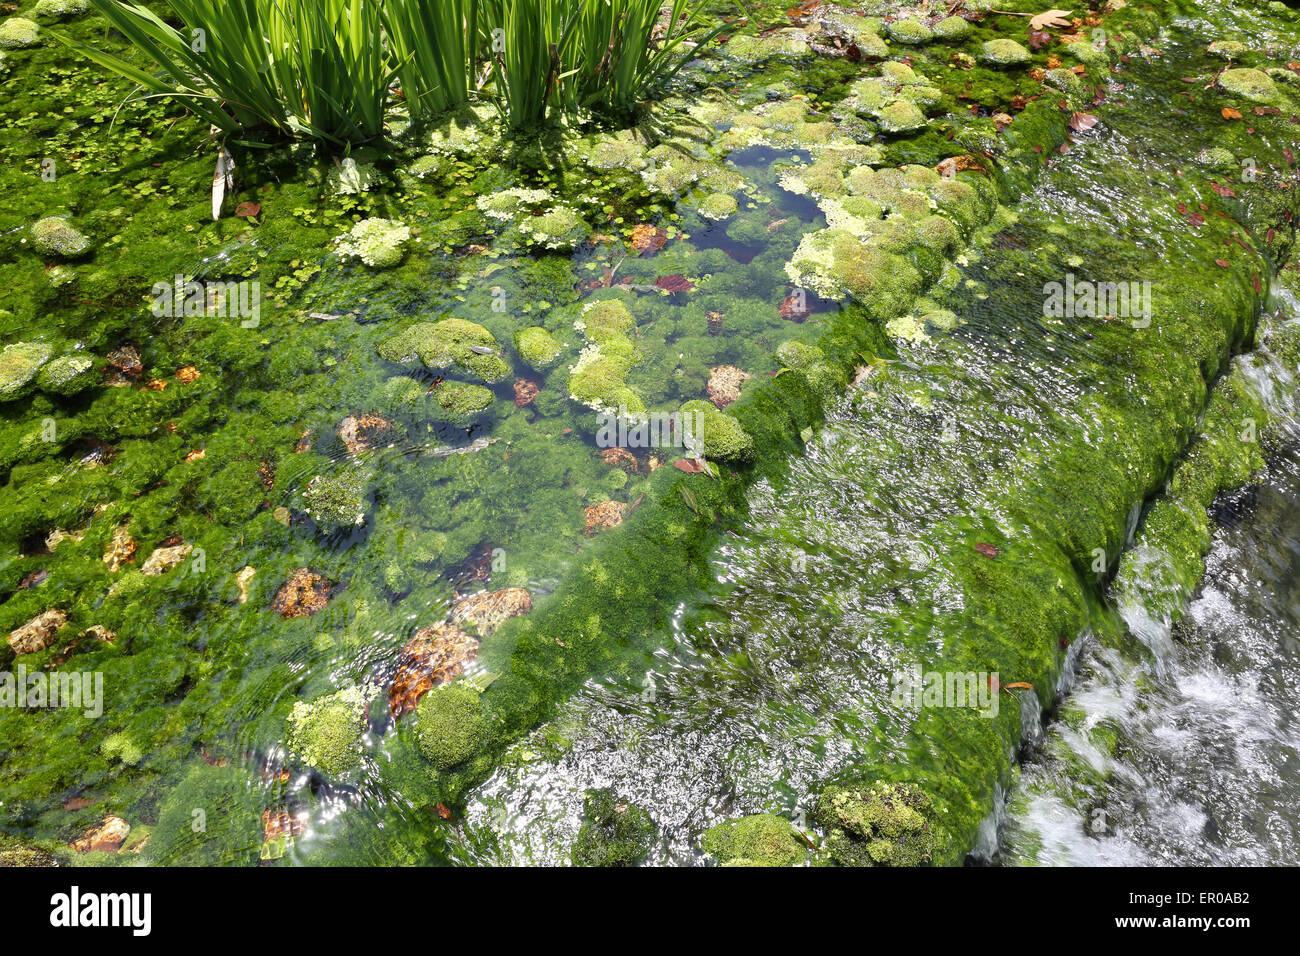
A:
{"x":783,"y":673}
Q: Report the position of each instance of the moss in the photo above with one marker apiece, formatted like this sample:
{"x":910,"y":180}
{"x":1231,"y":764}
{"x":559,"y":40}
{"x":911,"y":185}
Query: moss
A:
{"x":614,"y":833}
{"x":758,"y":840}
{"x":325,"y":734}
{"x":724,"y":438}
{"x":66,"y":375}
{"x":719,"y":206}
{"x":953,"y":29}
{"x":878,"y":824}
{"x":208,"y":819}
{"x":537,"y":347}
{"x":559,"y":227}
{"x":909,"y":30}
{"x":122,"y":748}
{"x":1253,"y":85}
{"x":337,"y":500}
{"x":60,"y":9}
{"x":55,"y":236}
{"x":379,"y":243}
{"x":459,"y":402}
{"x":900,"y":117}
{"x":19,"y":365}
{"x":449,"y":343}
{"x":836,"y":264}
{"x":449,"y":725}
{"x":1228,"y":49}
{"x":18,"y":32}
{"x":811,"y":362}
{"x":1004,"y":52}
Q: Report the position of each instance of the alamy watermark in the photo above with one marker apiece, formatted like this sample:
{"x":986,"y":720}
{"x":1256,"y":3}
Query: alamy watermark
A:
{"x":77,"y":690}
{"x":231,"y":300}
{"x":1085,"y":299}
{"x":913,"y":689}
{"x":624,"y":429}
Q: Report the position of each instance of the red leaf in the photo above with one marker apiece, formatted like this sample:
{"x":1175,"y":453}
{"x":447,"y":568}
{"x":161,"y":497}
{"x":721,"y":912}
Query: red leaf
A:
{"x":988,"y":550}
{"x":692,"y":466}
{"x":1221,"y":263}
{"x":1230,"y":114}
{"x":1082,"y":121}
{"x":248,"y":210}
{"x":674,"y":283}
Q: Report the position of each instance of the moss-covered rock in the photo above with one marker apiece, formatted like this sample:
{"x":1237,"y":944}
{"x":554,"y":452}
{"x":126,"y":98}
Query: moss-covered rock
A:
{"x":379,"y":243}
{"x":537,"y":347}
{"x":1228,"y":49}
{"x":952,"y":29}
{"x":559,"y":228}
{"x":1004,"y":52}
{"x":1254,"y":85}
{"x":599,"y":378}
{"x":877,"y":824}
{"x":811,"y":362}
{"x":723,"y":437}
{"x":450,"y":343}
{"x":60,"y":9}
{"x":325,"y":734}
{"x":909,"y":30}
{"x":55,"y":236}
{"x":758,"y":840}
{"x":337,"y":500}
{"x":458,"y":403}
{"x":449,"y":725}
{"x":17,"y":32}
{"x":719,"y":206}
{"x":19,"y":365}
{"x":615,"y":832}
{"x":67,"y":375}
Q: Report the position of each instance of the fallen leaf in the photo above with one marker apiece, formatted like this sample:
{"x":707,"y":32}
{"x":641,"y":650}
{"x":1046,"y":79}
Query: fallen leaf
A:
{"x":188,"y":375}
{"x":648,"y":238}
{"x":988,"y":550}
{"x":1230,"y":114}
{"x":692,"y":466}
{"x":248,"y":210}
{"x":674,"y":283}
{"x":1082,"y":121}
{"x":1019,"y":685}
{"x":1049,"y":19}
{"x":444,"y":811}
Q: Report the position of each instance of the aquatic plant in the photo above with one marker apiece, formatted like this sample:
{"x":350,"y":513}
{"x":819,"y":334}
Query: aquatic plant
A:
{"x":314,"y":68}
{"x":615,"y":833}
{"x":758,"y":840}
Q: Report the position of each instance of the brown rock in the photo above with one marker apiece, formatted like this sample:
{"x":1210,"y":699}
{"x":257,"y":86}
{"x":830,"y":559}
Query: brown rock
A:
{"x":525,"y":392}
{"x":164,"y":559}
{"x":108,"y":837}
{"x":121,"y":549}
{"x":122,"y":366}
{"x":435,"y":655}
{"x":601,"y":517}
{"x":305,"y":593}
{"x":38,"y":633}
{"x":620,"y":458}
{"x":363,"y":432}
{"x":725,"y":384}
{"x":488,"y":610}
{"x":99,"y":632}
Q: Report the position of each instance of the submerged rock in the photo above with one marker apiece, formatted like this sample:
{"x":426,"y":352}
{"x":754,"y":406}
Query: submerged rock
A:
{"x":17,"y":32}
{"x":449,"y":725}
{"x":60,"y":9}
{"x":909,"y":30}
{"x":108,"y":837}
{"x":537,"y":347}
{"x":38,"y":633}
{"x":458,"y":403}
{"x":362,"y":433}
{"x":305,"y":593}
{"x":758,"y":840}
{"x":1004,"y":52}
{"x":67,"y":375}
{"x":1254,"y":85}
{"x":879,"y":824}
{"x":606,"y":515}
{"x":55,"y":236}
{"x":488,"y":610}
{"x":449,"y":343}
{"x":19,"y":364}
{"x":435,"y":655}
{"x":163,"y":559}
{"x":725,"y":383}
{"x":121,"y":548}
{"x":325,"y":734}
{"x":615,"y":832}
{"x":338,"y":500}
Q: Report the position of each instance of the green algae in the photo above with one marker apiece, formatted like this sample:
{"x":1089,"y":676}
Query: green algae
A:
{"x":758,"y":840}
{"x":615,"y":832}
{"x":450,"y":726}
{"x":326,"y":733}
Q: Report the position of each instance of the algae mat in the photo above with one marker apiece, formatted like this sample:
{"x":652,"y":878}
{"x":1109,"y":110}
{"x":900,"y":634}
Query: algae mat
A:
{"x":321,"y":488}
